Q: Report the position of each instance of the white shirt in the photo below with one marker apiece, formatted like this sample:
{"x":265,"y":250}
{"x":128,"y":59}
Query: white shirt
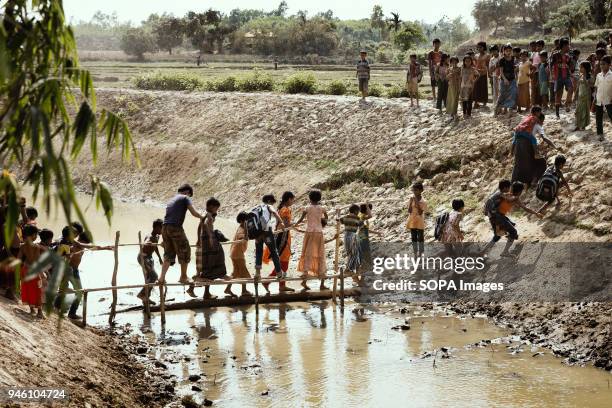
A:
{"x":603,"y":83}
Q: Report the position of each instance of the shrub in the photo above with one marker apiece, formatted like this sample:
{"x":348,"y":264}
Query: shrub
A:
{"x":375,"y":90}
{"x":301,"y":83}
{"x":227,"y":84}
{"x":397,"y":91}
{"x":168,"y":82}
{"x":254,"y":82}
{"x":336,"y":87}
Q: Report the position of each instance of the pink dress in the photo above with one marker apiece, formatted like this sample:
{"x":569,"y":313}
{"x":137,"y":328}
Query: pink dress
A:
{"x":312,"y":262}
{"x":450,"y":233}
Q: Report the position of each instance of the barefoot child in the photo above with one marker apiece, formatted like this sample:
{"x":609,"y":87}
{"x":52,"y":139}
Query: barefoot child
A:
{"x":583,"y":97}
{"x":451,"y":232}
{"x":548,"y":186}
{"x":454,"y":87}
{"x":363,"y":74}
{"x":603,"y":94}
{"x":352,"y":250}
{"x":507,"y":85}
{"x":414,"y":76}
{"x":442,"y":80}
{"x":494,"y":73}
{"x":237,"y":250}
{"x":283,"y":241}
{"x":433,"y":59}
{"x":365,"y":213}
{"x":417,"y":207}
{"x":543,"y":80}
{"x":481,"y":62}
{"x":31,"y":287}
{"x":524,"y":72}
{"x":469,"y":76}
{"x":145,"y":257}
{"x":312,"y":260}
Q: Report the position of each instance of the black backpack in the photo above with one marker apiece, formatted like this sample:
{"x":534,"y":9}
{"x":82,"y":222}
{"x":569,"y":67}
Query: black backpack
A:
{"x":441,"y":221}
{"x":492,"y":204}
{"x":548,"y":185}
{"x":256,"y":224}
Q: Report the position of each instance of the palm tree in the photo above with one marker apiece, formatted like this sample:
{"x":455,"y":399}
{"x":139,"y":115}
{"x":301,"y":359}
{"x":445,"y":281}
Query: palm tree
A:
{"x":394,"y":23}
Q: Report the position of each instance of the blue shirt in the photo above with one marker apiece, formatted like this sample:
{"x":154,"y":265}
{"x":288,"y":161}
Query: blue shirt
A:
{"x":176,"y":209}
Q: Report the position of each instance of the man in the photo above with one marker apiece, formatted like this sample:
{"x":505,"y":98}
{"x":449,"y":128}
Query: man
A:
{"x":603,"y":94}
{"x":363,"y":74}
{"x":433,"y":58}
{"x":481,"y":90}
{"x":145,"y":257}
{"x":176,"y":244}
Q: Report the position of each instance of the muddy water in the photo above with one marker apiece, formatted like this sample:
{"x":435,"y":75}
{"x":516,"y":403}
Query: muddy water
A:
{"x":309,"y":354}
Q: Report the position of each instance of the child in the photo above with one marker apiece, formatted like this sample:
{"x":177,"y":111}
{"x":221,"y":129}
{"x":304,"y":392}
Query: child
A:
{"x":494,"y":73}
{"x":363,"y":74}
{"x":469,"y":75}
{"x":413,"y":78}
{"x":507,"y":85}
{"x":543,"y":79}
{"x":32,"y":215}
{"x":365,"y":213}
{"x":524,"y":98}
{"x":562,"y":68}
{"x":312,"y":260}
{"x":237,"y":250}
{"x":481,"y":90}
{"x":583,"y":97}
{"x":603,"y":94}
{"x":145,"y":257}
{"x":454,"y":87}
{"x":283,"y":241}
{"x":442,"y":80}
{"x":31,"y":288}
{"x":417,"y":207}
{"x":352,"y":224}
{"x":433,"y":59}
{"x":452,"y":229}
{"x":556,"y":171}
{"x":210,"y":259}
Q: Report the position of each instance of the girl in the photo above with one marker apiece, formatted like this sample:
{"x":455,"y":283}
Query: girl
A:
{"x":442,"y":81}
{"x":416,"y":219}
{"x":524,"y":98}
{"x":452,"y":229}
{"x":507,"y":85}
{"x":210,"y":259}
{"x":469,"y":75}
{"x":365,"y":213}
{"x":454,"y":86}
{"x":543,"y":79}
{"x":237,"y":251}
{"x":283,"y":240}
{"x":583,"y":97}
{"x":31,"y":289}
{"x":312,"y":260}
{"x":352,"y":224}
{"x":494,"y":72}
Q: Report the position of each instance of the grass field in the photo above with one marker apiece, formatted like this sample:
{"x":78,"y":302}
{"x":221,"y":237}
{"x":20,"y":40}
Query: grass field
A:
{"x":119,"y":74}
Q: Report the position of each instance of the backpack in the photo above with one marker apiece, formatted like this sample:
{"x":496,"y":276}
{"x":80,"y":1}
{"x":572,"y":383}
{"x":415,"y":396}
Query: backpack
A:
{"x":256,"y":223}
{"x":548,"y":185}
{"x":490,"y":206}
{"x":441,"y":221}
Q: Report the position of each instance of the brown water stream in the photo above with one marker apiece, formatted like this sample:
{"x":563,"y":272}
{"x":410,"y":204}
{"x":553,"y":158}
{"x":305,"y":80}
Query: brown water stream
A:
{"x":309,"y":354}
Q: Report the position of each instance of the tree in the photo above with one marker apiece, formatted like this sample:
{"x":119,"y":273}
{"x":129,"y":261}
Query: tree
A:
{"x":281,"y":10}
{"x":202,"y":29}
{"x":394,"y":23}
{"x":377,"y":20}
{"x":571,"y":18}
{"x":541,"y":9}
{"x":137,"y":41}
{"x":491,"y":12}
{"x":599,"y":12}
{"x":40,"y":84}
{"x":169,"y":33}
{"x":410,"y":36}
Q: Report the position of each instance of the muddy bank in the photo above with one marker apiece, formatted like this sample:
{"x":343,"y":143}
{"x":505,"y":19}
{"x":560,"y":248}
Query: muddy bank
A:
{"x":96,"y":368}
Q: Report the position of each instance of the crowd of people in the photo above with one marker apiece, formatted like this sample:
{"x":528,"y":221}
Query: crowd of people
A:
{"x":518,"y":79}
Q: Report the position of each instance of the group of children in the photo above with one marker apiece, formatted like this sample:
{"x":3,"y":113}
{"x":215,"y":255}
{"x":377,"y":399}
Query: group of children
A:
{"x":27,"y":246}
{"x":518,"y":79}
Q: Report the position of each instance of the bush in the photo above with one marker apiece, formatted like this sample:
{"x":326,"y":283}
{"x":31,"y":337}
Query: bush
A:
{"x":301,"y":83}
{"x":255,"y":82}
{"x":168,"y":82}
{"x":137,"y":41}
{"x":397,"y":91}
{"x":227,"y":84}
{"x":336,"y":87}
{"x":375,"y":90}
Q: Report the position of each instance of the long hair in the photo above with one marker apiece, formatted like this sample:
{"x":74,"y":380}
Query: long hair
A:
{"x":287,"y":195}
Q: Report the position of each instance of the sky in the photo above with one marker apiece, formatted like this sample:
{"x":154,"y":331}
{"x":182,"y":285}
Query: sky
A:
{"x":138,"y":10}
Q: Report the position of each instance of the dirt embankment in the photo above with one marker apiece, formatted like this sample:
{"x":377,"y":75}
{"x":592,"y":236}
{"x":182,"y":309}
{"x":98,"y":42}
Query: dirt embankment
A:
{"x":95,"y":369}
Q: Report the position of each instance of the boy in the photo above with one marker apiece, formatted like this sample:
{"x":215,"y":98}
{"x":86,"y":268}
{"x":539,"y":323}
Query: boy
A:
{"x":603,"y":94}
{"x":363,"y":74}
{"x":145,"y":257}
{"x":556,"y":171}
{"x":507,"y":86}
{"x":31,"y":289}
{"x":562,"y":66}
{"x":497,"y":208}
{"x":414,"y":76}
{"x":417,"y":207}
{"x":433,"y":58}
{"x":494,"y":73}
{"x":481,"y":90}
{"x":543,"y":79}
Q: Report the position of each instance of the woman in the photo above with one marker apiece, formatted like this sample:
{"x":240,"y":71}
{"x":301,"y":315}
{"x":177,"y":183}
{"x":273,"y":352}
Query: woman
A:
{"x":529,"y":165}
{"x":283,"y":241}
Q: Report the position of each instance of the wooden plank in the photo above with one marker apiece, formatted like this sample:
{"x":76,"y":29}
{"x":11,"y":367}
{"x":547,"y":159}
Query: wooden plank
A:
{"x":146,"y":288}
{"x":111,"y":316}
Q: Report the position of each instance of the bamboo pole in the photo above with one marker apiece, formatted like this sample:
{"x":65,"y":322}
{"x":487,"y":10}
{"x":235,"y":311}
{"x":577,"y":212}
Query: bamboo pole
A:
{"x":147,"y":291}
{"x":256,"y":283}
{"x":162,"y":303}
{"x":336,"y":255}
{"x":342,"y":291}
{"x":85,"y":309}
{"x":111,"y":316}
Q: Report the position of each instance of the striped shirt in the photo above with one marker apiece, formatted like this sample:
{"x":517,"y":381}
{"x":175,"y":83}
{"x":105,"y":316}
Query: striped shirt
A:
{"x":351,"y":222}
{"x":363,"y":69}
